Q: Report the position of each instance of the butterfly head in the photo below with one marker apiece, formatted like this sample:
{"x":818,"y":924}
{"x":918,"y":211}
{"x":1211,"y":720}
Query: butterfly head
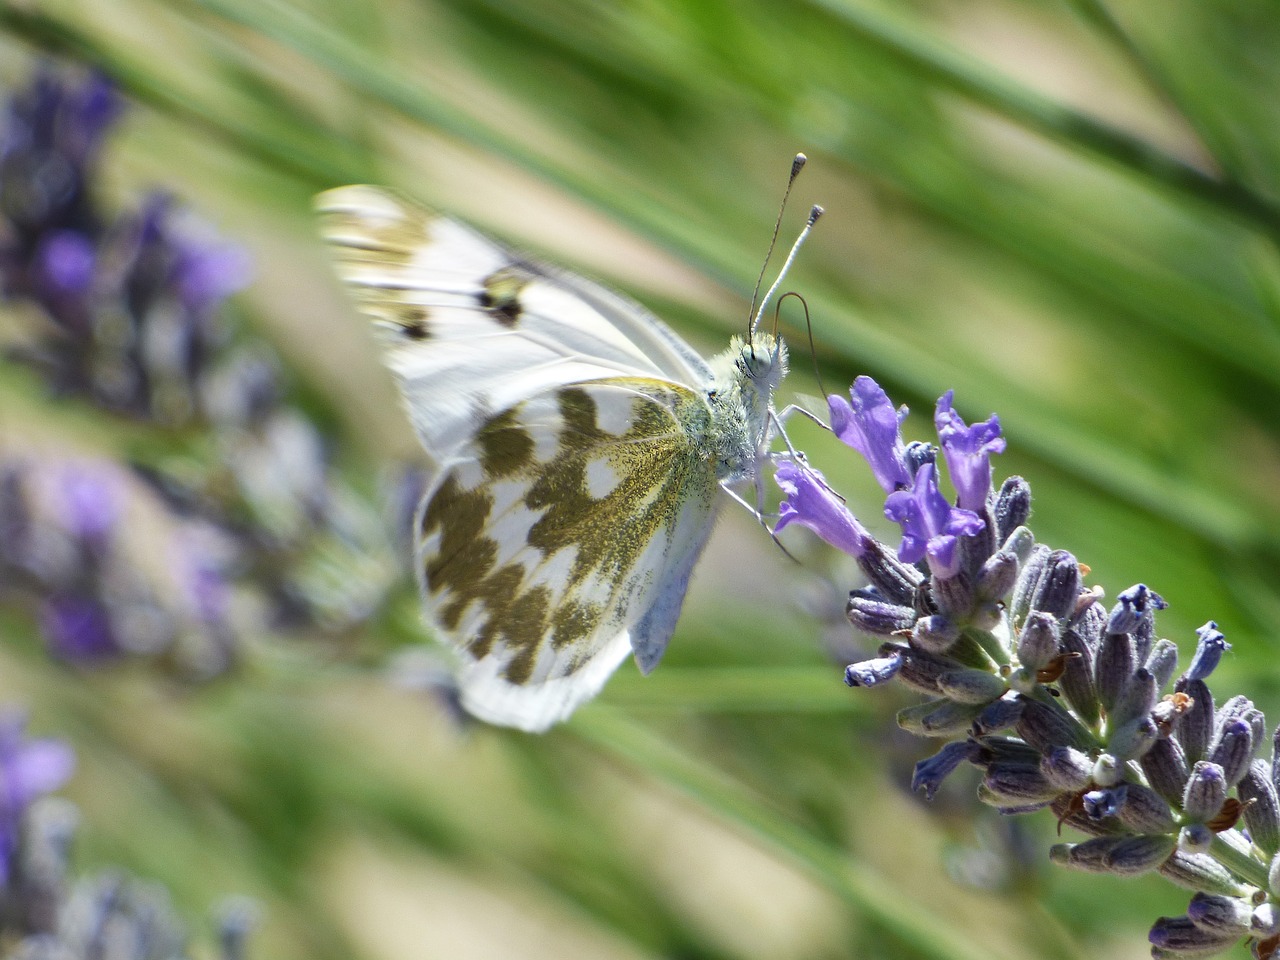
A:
{"x":762,"y":361}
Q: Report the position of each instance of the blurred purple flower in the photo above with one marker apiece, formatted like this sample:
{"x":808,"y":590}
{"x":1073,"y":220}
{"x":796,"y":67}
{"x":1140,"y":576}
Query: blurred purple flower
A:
{"x":930,"y":525}
{"x":88,"y":500}
{"x":968,"y":451}
{"x":28,"y":770}
{"x":78,"y":628}
{"x":154,"y":278}
{"x":811,"y":503}
{"x":51,"y":135}
{"x":871,"y":426}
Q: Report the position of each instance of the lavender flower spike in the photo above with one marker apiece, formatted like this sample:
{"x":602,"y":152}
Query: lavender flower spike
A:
{"x":811,"y":503}
{"x":28,"y":770}
{"x":1213,"y":643}
{"x":930,"y":525}
{"x":871,"y":426}
{"x":968,"y":451}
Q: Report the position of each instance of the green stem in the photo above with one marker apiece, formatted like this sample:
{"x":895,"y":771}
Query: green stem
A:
{"x":968,"y":77}
{"x":313,"y":165}
{"x":1241,"y":864}
{"x":609,"y":730}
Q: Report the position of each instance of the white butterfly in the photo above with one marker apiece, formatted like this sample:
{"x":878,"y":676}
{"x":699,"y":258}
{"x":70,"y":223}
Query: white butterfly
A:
{"x":579,"y":449}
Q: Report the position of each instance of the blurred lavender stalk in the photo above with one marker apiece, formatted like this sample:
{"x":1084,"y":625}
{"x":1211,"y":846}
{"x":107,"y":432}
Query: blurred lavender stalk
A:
{"x":1056,"y":698}
{"x":45,"y":914}
{"x":126,"y":315}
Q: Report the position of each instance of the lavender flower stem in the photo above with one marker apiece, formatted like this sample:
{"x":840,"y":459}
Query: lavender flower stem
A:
{"x":993,"y":646}
{"x":1238,"y":862}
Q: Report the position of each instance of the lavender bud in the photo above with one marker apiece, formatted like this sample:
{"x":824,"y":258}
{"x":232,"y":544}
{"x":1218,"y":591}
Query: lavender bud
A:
{"x":1067,"y":768}
{"x":1125,"y":856}
{"x":1209,"y":649}
{"x":1090,"y":619}
{"x":1134,"y":606}
{"x":920,"y":670}
{"x":1232,"y":750}
{"x":1138,"y":699}
{"x":1100,"y":804}
{"x":1265,"y":921}
{"x":1195,"y":729}
{"x":929,"y":774}
{"x":895,"y":580}
{"x":1033,"y":568}
{"x":1262,"y":807}
{"x":997,"y":576}
{"x":977,"y":548}
{"x":1045,"y":726}
{"x":1166,"y":769}
{"x":1133,"y":739}
{"x":1007,"y":783}
{"x":1000,"y":715}
{"x":936,"y":634}
{"x":1228,"y":915}
{"x":1038,"y":642}
{"x":1206,"y":792}
{"x":1058,"y":589}
{"x":872,"y":673}
{"x":1144,"y":811}
{"x":1197,"y":871}
{"x":1076,"y":682}
{"x":937,"y":718}
{"x":1012,"y":506}
{"x":872,"y":614}
{"x":954,"y":595}
{"x":1114,"y":668}
{"x":1163,"y":662}
{"x":972,"y":686}
{"x":991,"y":750}
{"x":1106,"y":770}
{"x":1275,"y":759}
{"x":1020,"y":542}
{"x":1066,"y":809}
{"x":1241,"y":707}
{"x":1182,"y":938}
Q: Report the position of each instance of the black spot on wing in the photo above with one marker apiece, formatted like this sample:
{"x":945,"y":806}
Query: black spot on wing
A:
{"x":501,"y":291}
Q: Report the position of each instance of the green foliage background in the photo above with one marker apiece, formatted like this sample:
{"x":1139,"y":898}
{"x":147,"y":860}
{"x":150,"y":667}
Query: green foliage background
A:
{"x":1068,"y":211}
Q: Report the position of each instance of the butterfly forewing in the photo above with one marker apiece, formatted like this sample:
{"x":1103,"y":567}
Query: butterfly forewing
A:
{"x":464,"y":319}
{"x":555,"y":531}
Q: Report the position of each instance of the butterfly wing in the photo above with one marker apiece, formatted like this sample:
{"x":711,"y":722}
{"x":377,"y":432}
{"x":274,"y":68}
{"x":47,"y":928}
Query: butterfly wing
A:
{"x":471,"y":328}
{"x":561,"y":536}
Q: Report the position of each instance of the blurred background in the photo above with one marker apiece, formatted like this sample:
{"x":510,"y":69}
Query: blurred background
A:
{"x":1066,"y":210}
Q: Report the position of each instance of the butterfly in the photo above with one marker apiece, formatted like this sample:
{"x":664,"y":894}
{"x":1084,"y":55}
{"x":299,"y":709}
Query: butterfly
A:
{"x":578,"y":451}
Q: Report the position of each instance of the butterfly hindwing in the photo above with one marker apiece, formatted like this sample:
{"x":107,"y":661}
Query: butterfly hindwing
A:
{"x":563,"y":533}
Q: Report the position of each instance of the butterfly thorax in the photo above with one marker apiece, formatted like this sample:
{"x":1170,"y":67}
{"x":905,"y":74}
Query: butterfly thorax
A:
{"x":741,"y":398}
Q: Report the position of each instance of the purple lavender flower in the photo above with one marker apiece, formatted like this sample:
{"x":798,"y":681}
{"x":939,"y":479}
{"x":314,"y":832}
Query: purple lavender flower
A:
{"x":968,"y":451}
{"x":811,"y":503}
{"x":52,"y":133}
{"x":871,"y":426}
{"x":28,"y":770}
{"x":930,"y":525}
{"x":151,"y":279}
{"x":78,"y":628}
{"x":1209,"y":650}
{"x":88,"y":500}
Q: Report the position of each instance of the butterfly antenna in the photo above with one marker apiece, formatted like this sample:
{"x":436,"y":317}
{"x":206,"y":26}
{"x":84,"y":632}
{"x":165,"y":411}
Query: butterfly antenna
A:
{"x":814,"y":214}
{"x":797,"y":164}
{"x":808,"y":326}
